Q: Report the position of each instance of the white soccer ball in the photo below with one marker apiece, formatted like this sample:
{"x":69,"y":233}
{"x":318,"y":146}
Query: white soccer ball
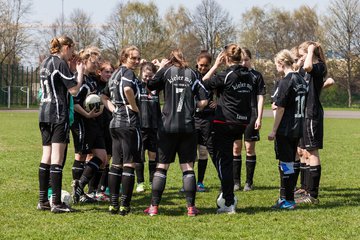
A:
{"x":220,"y":201}
{"x":65,"y":198}
{"x":92,"y":101}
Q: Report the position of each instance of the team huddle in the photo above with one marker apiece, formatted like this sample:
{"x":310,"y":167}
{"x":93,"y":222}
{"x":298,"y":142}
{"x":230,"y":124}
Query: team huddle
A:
{"x":115,"y":117}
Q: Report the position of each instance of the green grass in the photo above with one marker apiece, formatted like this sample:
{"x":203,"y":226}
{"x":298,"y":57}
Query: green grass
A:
{"x":336,"y":217}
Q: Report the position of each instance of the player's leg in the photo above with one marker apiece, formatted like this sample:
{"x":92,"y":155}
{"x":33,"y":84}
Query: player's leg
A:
{"x":237,"y":162}
{"x":250,"y":165}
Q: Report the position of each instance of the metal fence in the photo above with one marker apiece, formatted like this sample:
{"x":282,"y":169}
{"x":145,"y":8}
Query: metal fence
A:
{"x":19,"y":86}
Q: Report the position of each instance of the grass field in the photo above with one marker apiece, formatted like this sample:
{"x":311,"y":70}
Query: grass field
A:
{"x":336,"y":217}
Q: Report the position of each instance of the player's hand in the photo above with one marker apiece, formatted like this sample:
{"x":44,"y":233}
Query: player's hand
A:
{"x":156,"y":62}
{"x":220,"y":59}
{"x":93,"y":113}
{"x":257,"y":124}
{"x":271,"y":136}
{"x":212,"y":104}
{"x":80,"y":67}
{"x":273,"y":106}
{"x":311,"y":48}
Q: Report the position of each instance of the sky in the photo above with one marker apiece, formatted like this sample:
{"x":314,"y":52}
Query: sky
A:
{"x":46,"y":11}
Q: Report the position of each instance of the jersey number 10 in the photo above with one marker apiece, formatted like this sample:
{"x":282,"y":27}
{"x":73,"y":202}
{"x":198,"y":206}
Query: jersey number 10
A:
{"x":300,"y":109}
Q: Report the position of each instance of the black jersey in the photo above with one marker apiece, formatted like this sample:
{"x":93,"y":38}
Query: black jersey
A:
{"x":234,"y":87}
{"x":275,"y":91}
{"x":55,"y":80}
{"x":88,"y":87}
{"x":259,"y":87}
{"x":292,"y":96}
{"x":123,"y":116}
{"x":207,"y":112}
{"x":149,"y":107}
{"x":180,"y":86}
{"x":315,"y":80}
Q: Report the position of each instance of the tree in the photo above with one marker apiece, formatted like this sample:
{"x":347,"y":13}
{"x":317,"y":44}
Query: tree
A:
{"x":81,"y":30}
{"x":213,"y":26}
{"x":14,"y":39}
{"x":343,"y":31}
{"x":133,"y":23}
{"x":180,"y":33}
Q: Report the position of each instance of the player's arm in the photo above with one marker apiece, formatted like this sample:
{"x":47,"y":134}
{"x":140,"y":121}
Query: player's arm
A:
{"x":129,"y":94}
{"x":308,"y":63}
{"x":107,"y":103}
{"x":218,"y":62}
{"x":278,"y":116}
{"x":92,"y":114}
{"x":79,"y":78}
{"x":328,"y":83}
{"x":260,"y":108}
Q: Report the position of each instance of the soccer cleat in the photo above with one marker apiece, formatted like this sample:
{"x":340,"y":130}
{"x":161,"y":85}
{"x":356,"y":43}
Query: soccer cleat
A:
{"x":86,"y":199}
{"x":277,"y":204}
{"x":236,"y":187}
{"x":307,"y":199}
{"x":152,"y":210}
{"x":300,"y":193}
{"x":62,"y":208}
{"x":248,"y":187}
{"x":77,"y":191}
{"x":140,"y":187}
{"x":227,"y":209}
{"x":192,"y":211}
{"x":200,"y":187}
{"x":113,"y":210}
{"x":43,"y":206}
{"x":102,"y":197}
{"x":284,"y":204}
{"x":124,"y":210}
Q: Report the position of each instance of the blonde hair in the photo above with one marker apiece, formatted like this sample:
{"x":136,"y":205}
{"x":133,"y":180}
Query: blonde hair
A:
{"x":88,"y":52}
{"x":233,"y":52}
{"x":285,"y":57}
{"x":57,"y":43}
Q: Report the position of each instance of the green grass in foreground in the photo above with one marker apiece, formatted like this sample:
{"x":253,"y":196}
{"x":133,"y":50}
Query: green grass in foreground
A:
{"x":336,"y":217}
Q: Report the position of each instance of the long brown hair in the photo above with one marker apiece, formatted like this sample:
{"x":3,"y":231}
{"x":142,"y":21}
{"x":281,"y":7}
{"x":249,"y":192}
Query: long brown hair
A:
{"x":125,"y":53}
{"x":57,"y":42}
{"x":177,"y":59}
{"x":318,"y":52}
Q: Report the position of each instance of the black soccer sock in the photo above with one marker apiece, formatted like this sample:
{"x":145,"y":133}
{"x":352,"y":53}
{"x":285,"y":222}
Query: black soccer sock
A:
{"x":250,"y":168}
{"x":139,"y":167}
{"x":289,"y":180}
{"x":44,"y":177}
{"x":158,"y":186}
{"x":56,"y":181}
{"x":302,"y":175}
{"x":104,"y":180}
{"x":202,"y":164}
{"x":128,"y":181}
{"x":307,"y":178}
{"x":115,"y":175}
{"x":77,"y":169}
{"x":152,"y":168}
{"x":282,"y":186}
{"x":94,"y":181}
{"x":315,"y":174}
{"x":189,"y":183}
{"x":237,"y":162}
{"x":297,"y":171}
{"x":90,"y":170}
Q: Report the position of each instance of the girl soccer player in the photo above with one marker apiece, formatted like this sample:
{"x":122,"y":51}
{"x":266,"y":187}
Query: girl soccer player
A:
{"x":177,"y":128}
{"x":288,"y":125}
{"x":56,"y":81}
{"x":232,"y":114}
{"x":150,"y":114}
{"x":121,"y":97}
{"x":315,"y":67}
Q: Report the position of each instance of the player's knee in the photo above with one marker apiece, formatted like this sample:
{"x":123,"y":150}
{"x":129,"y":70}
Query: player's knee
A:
{"x":203,"y":153}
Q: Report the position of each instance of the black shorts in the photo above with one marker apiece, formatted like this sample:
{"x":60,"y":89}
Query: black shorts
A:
{"x":203,"y":130}
{"x":251,"y":134}
{"x":108,"y":140}
{"x":184,"y":144}
{"x":301,"y":143}
{"x":285,"y":148}
{"x":126,"y":145}
{"x":54,"y":133}
{"x":78,"y":133}
{"x":313,"y":134}
{"x":149,"y":139}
